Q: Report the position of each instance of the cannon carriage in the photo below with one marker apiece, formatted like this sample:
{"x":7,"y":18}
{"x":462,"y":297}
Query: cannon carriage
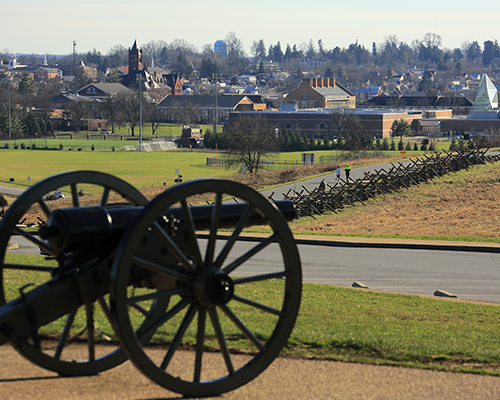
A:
{"x":173,"y":272}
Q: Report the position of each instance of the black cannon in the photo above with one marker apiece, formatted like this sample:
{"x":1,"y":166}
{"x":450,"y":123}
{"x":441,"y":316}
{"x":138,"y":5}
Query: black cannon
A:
{"x":180,"y":272}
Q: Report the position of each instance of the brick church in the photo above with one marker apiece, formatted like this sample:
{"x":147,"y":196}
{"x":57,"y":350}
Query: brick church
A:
{"x":156,"y":82}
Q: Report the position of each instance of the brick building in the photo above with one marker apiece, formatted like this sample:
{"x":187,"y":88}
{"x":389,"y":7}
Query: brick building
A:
{"x":321,"y":93}
{"x":320,"y":123}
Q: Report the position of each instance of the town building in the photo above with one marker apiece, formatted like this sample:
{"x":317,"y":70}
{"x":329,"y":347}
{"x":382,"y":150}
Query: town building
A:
{"x":321,"y":93}
{"x":206,"y":106}
{"x":321,"y":122}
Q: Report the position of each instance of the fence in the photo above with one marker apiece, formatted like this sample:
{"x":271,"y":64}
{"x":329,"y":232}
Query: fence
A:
{"x":266,"y":165}
{"x":225,"y":161}
{"x":400,"y":176}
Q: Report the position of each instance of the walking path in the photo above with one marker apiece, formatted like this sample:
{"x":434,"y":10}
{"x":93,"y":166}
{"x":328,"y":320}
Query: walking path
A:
{"x":286,"y":378}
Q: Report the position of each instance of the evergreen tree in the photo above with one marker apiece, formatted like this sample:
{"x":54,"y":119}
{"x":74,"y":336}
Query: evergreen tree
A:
{"x":43,"y":126}
{"x":453,"y":145}
{"x":16,"y":125}
{"x":26,"y":86}
{"x":340,"y":143}
{"x":30,"y":126}
{"x":401,"y":145}
{"x":50,"y":127}
{"x":312,"y":143}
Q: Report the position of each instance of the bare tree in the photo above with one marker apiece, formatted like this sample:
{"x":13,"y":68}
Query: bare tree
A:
{"x":250,"y":139}
{"x":258,"y":50}
{"x":186,"y":113}
{"x":343,"y":121}
{"x":111,"y":110}
{"x":236,"y":57}
{"x":432,"y":40}
{"x":78,"y":110}
{"x":129,"y":106}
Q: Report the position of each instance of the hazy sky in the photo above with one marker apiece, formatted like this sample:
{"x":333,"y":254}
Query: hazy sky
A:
{"x":51,"y":26}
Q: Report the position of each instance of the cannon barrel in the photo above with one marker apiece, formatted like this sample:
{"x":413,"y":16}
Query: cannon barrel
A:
{"x":72,"y":229}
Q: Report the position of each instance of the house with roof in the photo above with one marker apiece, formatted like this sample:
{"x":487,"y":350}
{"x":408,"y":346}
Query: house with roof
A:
{"x":321,"y":93}
{"x":206,"y":105}
{"x":101,"y":91}
{"x":366,"y":92}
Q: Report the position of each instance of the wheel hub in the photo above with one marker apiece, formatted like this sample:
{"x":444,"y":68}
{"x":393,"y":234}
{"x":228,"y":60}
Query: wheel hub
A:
{"x":213,"y":288}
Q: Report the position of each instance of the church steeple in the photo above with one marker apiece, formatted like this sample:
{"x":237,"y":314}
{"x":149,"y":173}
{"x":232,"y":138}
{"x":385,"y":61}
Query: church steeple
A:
{"x":135,"y":58}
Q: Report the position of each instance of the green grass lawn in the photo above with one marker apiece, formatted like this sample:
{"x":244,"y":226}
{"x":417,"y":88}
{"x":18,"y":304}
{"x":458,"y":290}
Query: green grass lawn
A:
{"x":348,"y":324}
{"x":140,"y":169}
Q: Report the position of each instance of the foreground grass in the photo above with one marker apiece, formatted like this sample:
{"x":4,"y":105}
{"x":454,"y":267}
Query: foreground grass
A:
{"x":350,"y":324}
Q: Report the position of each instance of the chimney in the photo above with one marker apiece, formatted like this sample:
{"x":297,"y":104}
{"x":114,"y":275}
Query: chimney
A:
{"x":332,"y":82}
{"x":320,"y":82}
{"x":307,"y":82}
{"x":315,"y":82}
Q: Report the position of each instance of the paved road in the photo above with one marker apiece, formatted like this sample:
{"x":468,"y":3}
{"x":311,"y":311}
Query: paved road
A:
{"x":11,"y":190}
{"x":420,"y":267}
{"x":286,"y":378}
{"x":331,"y":179}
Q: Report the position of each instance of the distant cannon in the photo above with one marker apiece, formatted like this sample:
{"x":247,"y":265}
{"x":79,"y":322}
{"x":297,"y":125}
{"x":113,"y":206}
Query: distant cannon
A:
{"x":165,"y":270}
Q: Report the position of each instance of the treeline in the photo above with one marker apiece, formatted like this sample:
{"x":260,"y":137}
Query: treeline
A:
{"x":291,"y":141}
{"x":183,"y":57}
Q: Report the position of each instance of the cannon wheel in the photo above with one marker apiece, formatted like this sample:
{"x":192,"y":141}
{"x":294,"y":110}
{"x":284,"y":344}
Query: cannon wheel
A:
{"x":220,"y":296}
{"x":51,"y":356}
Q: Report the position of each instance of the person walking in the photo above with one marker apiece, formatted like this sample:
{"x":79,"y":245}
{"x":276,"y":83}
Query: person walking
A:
{"x":338,"y":171}
{"x":347,"y":170}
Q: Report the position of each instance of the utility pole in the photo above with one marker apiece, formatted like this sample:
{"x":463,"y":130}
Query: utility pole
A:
{"x":139,"y":79}
{"x":214,"y":77}
{"x":10,"y":126}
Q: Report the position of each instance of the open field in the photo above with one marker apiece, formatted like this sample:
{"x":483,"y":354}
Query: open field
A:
{"x":141,"y":169}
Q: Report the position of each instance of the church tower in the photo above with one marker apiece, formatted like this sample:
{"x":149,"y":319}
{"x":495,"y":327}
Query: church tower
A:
{"x":134,"y":59}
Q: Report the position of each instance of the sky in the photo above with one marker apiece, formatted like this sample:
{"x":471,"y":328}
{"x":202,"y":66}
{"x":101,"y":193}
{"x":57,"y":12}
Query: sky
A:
{"x":51,"y":26}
